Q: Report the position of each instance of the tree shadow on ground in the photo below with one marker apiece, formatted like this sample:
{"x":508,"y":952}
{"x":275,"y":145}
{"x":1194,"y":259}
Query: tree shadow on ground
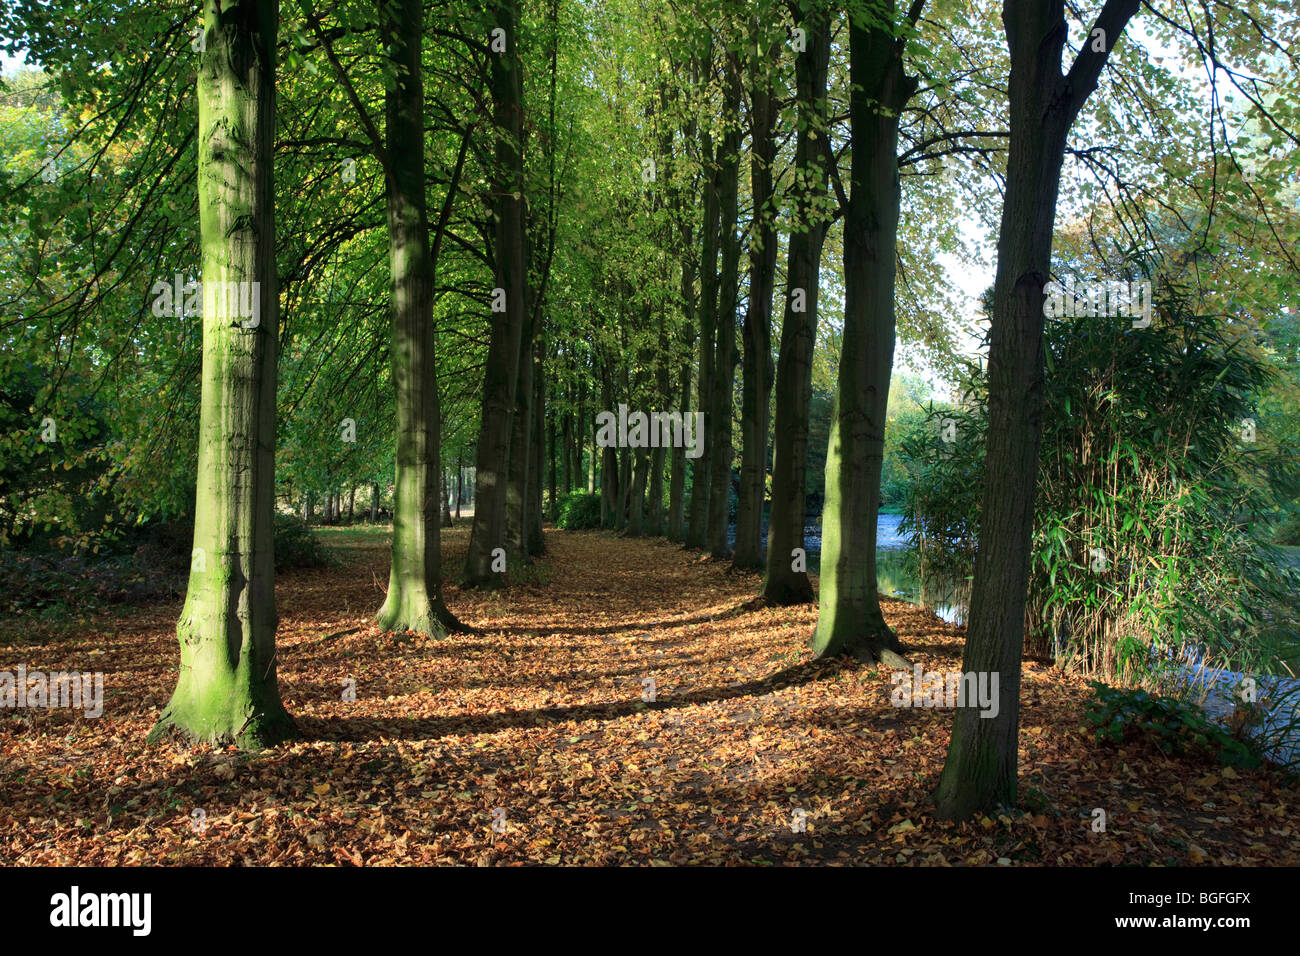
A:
{"x":731,"y":612}
{"x":359,"y":730}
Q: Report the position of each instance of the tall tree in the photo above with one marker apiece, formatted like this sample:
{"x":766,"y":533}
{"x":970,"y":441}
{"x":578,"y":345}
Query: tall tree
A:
{"x":227,"y":691}
{"x":786,"y":581}
{"x":710,"y":235}
{"x":501,"y":369}
{"x":849,"y":618}
{"x":981,"y":767}
{"x":724,"y":361}
{"x":414,"y":601}
{"x":756,"y":386}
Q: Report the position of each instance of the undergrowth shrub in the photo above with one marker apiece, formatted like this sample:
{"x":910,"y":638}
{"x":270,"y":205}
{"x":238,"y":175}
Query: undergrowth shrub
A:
{"x":296,"y":545}
{"x":1171,"y":725}
{"x":579,"y":510}
{"x":1152,"y":519}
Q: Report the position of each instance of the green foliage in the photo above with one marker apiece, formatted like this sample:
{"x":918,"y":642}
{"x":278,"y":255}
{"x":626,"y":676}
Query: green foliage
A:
{"x":578,"y":511}
{"x":942,"y":454}
{"x":1288,"y":530}
{"x":1151,"y":530}
{"x":296,"y":545}
{"x":1173,"y":726}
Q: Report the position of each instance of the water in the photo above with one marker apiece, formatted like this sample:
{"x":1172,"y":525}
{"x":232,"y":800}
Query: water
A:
{"x":947,"y":598}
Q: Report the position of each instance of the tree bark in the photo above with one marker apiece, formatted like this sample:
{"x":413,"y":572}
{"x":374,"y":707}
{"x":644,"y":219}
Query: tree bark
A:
{"x":518,"y":499}
{"x":849,"y":619}
{"x":787,"y":581}
{"x":460,"y":481}
{"x":535,"y":541}
{"x":501,"y":369}
{"x":698,"y":525}
{"x":980,"y":771}
{"x":609,"y":496}
{"x":227,"y":692}
{"x":414,"y":601}
{"x":724,"y":367}
{"x":756,"y":386}
{"x":636,"y":506}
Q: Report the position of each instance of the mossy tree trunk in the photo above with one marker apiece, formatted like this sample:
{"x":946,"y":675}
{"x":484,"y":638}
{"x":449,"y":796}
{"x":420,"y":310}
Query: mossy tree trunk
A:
{"x":849,"y":619}
{"x":227,"y":691}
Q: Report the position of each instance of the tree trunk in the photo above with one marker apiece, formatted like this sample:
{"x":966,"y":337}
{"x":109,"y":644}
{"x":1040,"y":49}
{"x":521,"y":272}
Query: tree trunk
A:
{"x":980,"y":771}
{"x":501,"y":368}
{"x":460,"y":481}
{"x":698,"y":526}
{"x":677,"y":483}
{"x":724,"y":368}
{"x":849,"y":618}
{"x":786,"y":581}
{"x":756,"y":388}
{"x":374,"y":502}
{"x":518,"y":497}
{"x":553,"y":452}
{"x":609,"y":497}
{"x":446,"y":500}
{"x":624,"y":489}
{"x":681,"y":201}
{"x":414,"y":601}
{"x":227,"y":692}
{"x":636,"y":507}
{"x":566,"y":449}
{"x":535,"y":540}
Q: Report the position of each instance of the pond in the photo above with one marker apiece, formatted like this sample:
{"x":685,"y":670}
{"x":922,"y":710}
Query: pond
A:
{"x":948,"y":598}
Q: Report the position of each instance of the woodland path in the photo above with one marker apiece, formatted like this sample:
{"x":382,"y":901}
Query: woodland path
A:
{"x":539,"y":713}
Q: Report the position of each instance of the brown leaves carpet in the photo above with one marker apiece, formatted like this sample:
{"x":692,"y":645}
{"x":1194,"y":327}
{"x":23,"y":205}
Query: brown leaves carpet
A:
{"x":528,"y":741}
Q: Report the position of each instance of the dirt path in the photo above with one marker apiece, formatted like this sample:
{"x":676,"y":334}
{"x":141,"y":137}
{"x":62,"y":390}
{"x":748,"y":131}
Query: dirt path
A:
{"x":537,"y":721}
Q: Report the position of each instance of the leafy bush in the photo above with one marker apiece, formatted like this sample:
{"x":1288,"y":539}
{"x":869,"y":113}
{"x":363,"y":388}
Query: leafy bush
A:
{"x":1172,"y":725}
{"x":579,"y":510}
{"x":296,"y":546}
{"x":148,"y":563}
{"x":1288,"y":531}
{"x":52,"y":583}
{"x":1150,"y":529}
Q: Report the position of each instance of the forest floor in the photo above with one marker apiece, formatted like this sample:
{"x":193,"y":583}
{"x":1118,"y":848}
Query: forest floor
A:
{"x":535,"y":722}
